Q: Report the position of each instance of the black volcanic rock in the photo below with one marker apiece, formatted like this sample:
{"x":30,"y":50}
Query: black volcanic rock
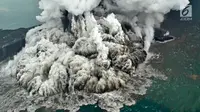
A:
{"x":66,"y":21}
{"x":162,"y":35}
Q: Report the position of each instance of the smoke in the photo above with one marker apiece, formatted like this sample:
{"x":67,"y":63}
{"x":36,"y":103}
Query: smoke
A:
{"x":99,"y":54}
{"x":52,"y":8}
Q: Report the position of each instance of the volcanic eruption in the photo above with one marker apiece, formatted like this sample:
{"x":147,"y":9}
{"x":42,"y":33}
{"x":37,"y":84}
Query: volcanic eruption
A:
{"x":90,"y":51}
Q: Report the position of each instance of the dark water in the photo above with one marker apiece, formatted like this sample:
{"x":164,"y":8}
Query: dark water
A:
{"x":180,"y":62}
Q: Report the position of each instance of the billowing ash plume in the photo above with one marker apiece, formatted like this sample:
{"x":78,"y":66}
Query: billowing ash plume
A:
{"x":91,"y":48}
{"x":143,"y":15}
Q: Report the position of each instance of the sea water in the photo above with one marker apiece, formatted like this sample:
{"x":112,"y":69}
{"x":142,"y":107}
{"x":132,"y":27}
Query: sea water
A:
{"x":18,"y":13}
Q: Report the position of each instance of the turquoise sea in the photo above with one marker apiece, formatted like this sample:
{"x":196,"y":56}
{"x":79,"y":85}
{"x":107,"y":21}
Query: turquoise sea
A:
{"x":179,"y":60}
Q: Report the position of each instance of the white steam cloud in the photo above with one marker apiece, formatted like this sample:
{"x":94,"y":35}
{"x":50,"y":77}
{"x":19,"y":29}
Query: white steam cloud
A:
{"x":96,"y":56}
{"x":143,"y":14}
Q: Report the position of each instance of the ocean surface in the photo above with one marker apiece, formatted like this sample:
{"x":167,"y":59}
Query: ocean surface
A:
{"x":18,"y":13}
{"x":179,"y":60}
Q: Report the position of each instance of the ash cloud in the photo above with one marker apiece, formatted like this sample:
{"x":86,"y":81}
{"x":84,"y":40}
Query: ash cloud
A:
{"x":95,"y":49}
